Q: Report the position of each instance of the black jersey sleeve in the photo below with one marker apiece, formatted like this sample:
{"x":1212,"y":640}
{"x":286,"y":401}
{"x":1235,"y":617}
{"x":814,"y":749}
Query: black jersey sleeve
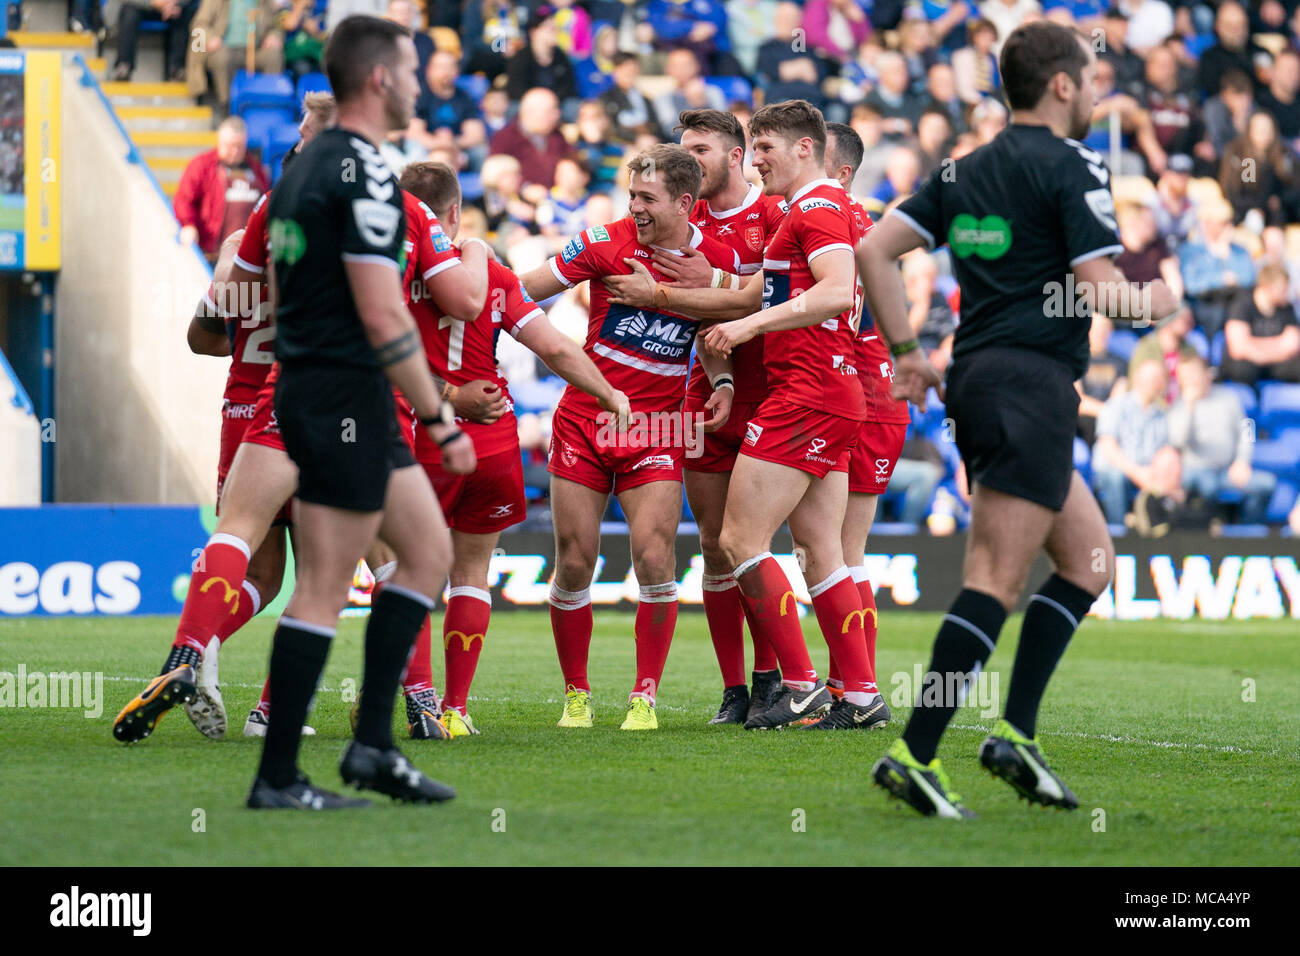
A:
{"x":1086,"y":206}
{"x":373,"y":218}
{"x":923,"y":211}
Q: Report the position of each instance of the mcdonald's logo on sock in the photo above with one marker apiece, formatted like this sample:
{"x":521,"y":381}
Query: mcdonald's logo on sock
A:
{"x":466,"y":640}
{"x":230,"y":597}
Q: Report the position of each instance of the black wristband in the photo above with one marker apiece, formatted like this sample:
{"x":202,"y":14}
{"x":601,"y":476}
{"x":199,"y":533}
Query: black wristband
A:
{"x":722,"y":381}
{"x":902,"y":348}
{"x":446,"y":416}
{"x":451,"y":438}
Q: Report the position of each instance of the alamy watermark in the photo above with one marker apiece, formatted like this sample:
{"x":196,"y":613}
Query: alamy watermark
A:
{"x":79,"y":690}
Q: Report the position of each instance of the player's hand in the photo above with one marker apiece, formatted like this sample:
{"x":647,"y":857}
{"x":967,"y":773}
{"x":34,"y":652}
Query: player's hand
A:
{"x":479,"y":401}
{"x":636,"y":290}
{"x":914,"y":376}
{"x":719,"y":404}
{"x":721,"y":338}
{"x":457,"y":455}
{"x":618,"y":405}
{"x":691,"y":269}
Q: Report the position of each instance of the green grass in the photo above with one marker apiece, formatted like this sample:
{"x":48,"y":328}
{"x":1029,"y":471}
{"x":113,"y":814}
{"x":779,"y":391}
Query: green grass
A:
{"x":1145,"y":721}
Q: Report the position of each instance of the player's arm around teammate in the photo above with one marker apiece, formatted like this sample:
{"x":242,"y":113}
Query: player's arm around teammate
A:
{"x":206,"y":334}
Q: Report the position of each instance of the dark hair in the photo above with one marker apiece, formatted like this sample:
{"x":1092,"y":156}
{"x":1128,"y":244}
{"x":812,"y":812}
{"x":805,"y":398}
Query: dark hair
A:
{"x":621,"y":57}
{"x":355,"y":47}
{"x":793,"y":119}
{"x":1033,"y":54}
{"x":434,"y":184}
{"x":668,"y":162}
{"x":1235,"y":80}
{"x":713,"y":121}
{"x":848,"y":146}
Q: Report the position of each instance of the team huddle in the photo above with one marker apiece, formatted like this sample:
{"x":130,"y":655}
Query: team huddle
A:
{"x":373,"y":404}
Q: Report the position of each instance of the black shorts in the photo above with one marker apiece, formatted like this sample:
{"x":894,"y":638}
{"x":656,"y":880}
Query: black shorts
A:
{"x":340,"y":429}
{"x":1016,"y":413}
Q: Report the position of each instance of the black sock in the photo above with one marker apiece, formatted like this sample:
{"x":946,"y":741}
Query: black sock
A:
{"x":1051,"y":619}
{"x":965,"y":641}
{"x":179,"y":657}
{"x":395,"y":620}
{"x":297,"y":659}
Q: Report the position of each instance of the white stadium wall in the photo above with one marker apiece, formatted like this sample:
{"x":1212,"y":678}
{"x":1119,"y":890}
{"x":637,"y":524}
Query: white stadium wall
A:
{"x":138,"y":414}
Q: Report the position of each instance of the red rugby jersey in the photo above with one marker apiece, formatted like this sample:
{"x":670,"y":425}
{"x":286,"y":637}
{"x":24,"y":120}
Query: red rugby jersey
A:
{"x":252,"y":335}
{"x":875,"y":367}
{"x":461,"y":352}
{"x":813,"y":366}
{"x":642,"y":352}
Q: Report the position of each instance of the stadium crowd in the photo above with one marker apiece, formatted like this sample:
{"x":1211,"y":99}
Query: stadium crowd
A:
{"x":538,"y":105}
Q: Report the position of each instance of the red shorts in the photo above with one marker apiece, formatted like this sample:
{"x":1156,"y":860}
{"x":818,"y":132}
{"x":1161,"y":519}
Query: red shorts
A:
{"x":717,"y":452}
{"x":489,"y":500}
{"x":581,"y":452}
{"x":235,"y":420}
{"x":261,"y":429}
{"x":800,"y":438}
{"x":875,"y":456}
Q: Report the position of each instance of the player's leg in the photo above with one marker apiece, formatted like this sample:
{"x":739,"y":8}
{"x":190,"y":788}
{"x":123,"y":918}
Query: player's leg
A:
{"x":576,"y":511}
{"x":653,"y":512}
{"x":1082,"y":554}
{"x":465,"y":625}
{"x":859,"y":515}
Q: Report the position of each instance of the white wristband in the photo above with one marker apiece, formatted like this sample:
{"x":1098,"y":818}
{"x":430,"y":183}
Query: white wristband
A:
{"x":716,"y":283}
{"x":723,"y":381}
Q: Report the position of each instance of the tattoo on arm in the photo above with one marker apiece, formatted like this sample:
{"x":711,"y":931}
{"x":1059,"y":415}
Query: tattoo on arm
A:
{"x":399,"y":348}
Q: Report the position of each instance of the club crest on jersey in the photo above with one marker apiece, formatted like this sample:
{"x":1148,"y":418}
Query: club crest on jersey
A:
{"x":808,"y":205}
{"x":568,"y":455}
{"x":841,"y":366}
{"x":573,"y":249}
{"x":754,"y":237}
{"x":598,"y":234}
{"x":753,"y":433}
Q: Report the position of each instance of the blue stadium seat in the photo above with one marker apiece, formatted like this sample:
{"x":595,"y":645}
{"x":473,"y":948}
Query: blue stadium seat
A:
{"x":311,"y":83}
{"x":1197,"y":340}
{"x":262,"y":122}
{"x":1083,"y":459}
{"x":733,"y":88}
{"x":1280,"y":455}
{"x":1123,"y":342}
{"x":475,"y":84}
{"x":280,"y":141}
{"x":267,"y":90}
{"x":471,"y":186}
{"x":1279,"y":406}
{"x":1217,"y":347}
{"x":1284,"y":498}
{"x":1249,"y":400}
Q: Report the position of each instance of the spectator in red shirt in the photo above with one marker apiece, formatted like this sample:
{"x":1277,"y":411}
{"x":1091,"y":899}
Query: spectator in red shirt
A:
{"x":534,"y":138}
{"x":219,"y":189}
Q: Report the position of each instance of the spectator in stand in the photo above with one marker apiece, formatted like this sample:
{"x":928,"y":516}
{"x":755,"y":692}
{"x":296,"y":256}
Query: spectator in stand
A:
{"x":917,"y":473}
{"x":1126,"y":64}
{"x":696,"y":25}
{"x":1175,"y":213}
{"x":1150,"y":23}
{"x":866,"y":122}
{"x":177,"y":16}
{"x":1262,"y":337}
{"x":1226,"y":115}
{"x":502,"y":202}
{"x":1146,"y":256}
{"x":400,"y":150}
{"x":445,"y":112}
{"x":1006,"y":15}
{"x":787,"y":69}
{"x":541,"y":63}
{"x":534,"y":138}
{"x":749,"y":24}
{"x":1257,"y":173}
{"x":1168,"y":345}
{"x":1175,"y":112}
{"x":929,"y":313}
{"x":893,"y":98}
{"x":902,"y":176}
{"x":602,"y":156}
{"x":946,"y":20}
{"x":1208,"y":428}
{"x":491,"y":32}
{"x":218,"y":189}
{"x":933,"y":138}
{"x":1105,"y":377}
{"x":573,"y":33}
{"x":405,"y":14}
{"x":1132,"y":449}
{"x":1214,"y":267}
{"x":1275,"y":252}
{"x":689,"y":91}
{"x":941,"y":88}
{"x":564,"y":211}
{"x":1234,"y":50}
{"x":496,"y":111}
{"x":975,"y":67}
{"x":988,"y":119}
{"x":304,"y":37}
{"x":1282,"y":96}
{"x":860,"y":74}
{"x":916,"y":44}
{"x":835,"y":28}
{"x":1139,"y":147}
{"x":629,"y":112}
{"x":225,"y":26}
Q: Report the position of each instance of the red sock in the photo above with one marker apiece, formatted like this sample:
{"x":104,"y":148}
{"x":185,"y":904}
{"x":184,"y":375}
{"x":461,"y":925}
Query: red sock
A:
{"x":764,"y":652}
{"x":464,"y":628}
{"x":833,"y":677}
{"x":656,"y":617}
{"x":726,"y":619}
{"x":264,"y":702}
{"x":216,"y":595}
{"x":571,"y":623}
{"x":419,"y":666}
{"x":249,"y":605}
{"x":870,"y":616}
{"x":772,"y":611}
{"x":839,"y":613}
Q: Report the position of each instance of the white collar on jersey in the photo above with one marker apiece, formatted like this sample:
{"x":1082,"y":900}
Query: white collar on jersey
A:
{"x":816,"y":183}
{"x":751,"y":197}
{"x":696,"y":236}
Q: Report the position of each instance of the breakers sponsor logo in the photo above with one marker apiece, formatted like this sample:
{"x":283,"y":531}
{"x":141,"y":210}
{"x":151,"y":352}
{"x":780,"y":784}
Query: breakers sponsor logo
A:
{"x":76,"y":909}
{"x":70,"y":587}
{"x":229,"y":597}
{"x":753,"y":433}
{"x":466,"y":640}
{"x":653,"y":430}
{"x":816,"y":203}
{"x":654,"y":461}
{"x":658,"y":336}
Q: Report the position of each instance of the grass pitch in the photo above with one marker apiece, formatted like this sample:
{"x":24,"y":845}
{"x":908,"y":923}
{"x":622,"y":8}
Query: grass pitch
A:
{"x":1182,"y":741}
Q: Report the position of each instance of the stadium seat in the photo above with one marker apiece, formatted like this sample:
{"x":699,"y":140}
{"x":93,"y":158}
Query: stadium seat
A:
{"x":1123,"y":342}
{"x":475,"y":84}
{"x":1197,"y":340}
{"x":1283,"y":500}
{"x":1249,"y":400}
{"x":1280,"y":455}
{"x":263,"y":122}
{"x":471,"y":186}
{"x":311,"y":83}
{"x":733,"y":88}
{"x":1198,"y":44}
{"x":266,"y":90}
{"x":1279,"y":407}
{"x":1083,"y":459}
{"x":280,"y":141}
{"x":1217,"y":347}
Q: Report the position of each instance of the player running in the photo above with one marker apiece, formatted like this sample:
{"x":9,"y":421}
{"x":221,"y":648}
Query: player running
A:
{"x":1020,"y":215}
{"x":479,"y":506}
{"x":645,"y":353}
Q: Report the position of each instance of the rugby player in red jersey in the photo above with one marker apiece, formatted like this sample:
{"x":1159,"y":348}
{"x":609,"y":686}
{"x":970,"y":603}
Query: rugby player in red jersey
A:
{"x":255,"y":490}
{"x":737,"y":214}
{"x":481,"y":505}
{"x":645,"y":353}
